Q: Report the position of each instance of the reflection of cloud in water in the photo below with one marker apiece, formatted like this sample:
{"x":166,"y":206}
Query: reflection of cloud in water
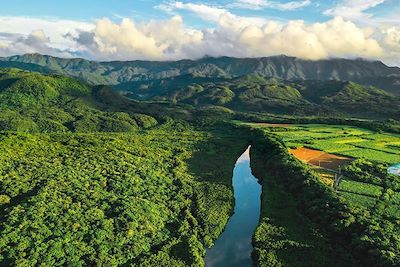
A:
{"x":244,"y":157}
{"x":236,"y":251}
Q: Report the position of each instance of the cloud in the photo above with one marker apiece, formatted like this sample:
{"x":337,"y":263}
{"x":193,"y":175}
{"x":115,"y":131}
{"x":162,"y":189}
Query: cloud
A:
{"x":209,"y":13}
{"x":262,"y":4}
{"x":392,"y":38}
{"x":157,"y":40}
{"x":354,"y":9}
{"x":171,"y":39}
{"x":52,"y":27}
{"x":35,"y":42}
{"x":233,"y":36}
{"x":335,"y":38}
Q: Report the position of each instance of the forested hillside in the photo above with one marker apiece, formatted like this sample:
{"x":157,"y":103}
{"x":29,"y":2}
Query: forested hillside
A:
{"x":258,"y":94}
{"x":31,"y":102}
{"x":83,"y":183}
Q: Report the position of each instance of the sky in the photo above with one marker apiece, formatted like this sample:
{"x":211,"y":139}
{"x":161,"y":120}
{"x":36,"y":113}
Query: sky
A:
{"x":172,"y":30}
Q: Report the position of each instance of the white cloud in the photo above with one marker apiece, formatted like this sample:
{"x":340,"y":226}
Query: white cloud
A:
{"x":335,"y":38}
{"x":261,"y":4}
{"x":234,"y":36}
{"x":209,"y":13}
{"x":157,"y":40}
{"x":392,"y":38}
{"x":171,"y":39}
{"x":354,"y":9}
{"x":52,"y":27}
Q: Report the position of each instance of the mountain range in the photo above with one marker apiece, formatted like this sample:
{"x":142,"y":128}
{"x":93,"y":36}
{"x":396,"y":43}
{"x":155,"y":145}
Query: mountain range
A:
{"x":279,"y":85}
{"x":123,"y":73}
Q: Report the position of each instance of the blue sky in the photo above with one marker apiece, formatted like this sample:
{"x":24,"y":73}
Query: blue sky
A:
{"x":146,"y":9}
{"x":144,"y":29}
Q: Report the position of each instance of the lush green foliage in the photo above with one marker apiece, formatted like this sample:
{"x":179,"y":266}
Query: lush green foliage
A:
{"x":31,"y":102}
{"x":260,"y":94}
{"x":285,"y":237}
{"x":71,"y":194}
{"x":116,"y":198}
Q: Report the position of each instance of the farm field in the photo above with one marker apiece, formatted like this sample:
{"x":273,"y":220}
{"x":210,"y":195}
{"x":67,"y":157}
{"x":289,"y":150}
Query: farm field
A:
{"x":362,"y":154}
{"x":320,"y":158}
{"x":346,"y":141}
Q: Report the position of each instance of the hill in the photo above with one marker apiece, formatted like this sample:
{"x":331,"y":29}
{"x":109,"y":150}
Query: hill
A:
{"x":255,"y":93}
{"x":373,"y":73}
{"x":33,"y":102}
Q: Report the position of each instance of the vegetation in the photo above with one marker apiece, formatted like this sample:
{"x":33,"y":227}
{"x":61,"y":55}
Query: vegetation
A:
{"x":89,"y":177}
{"x":285,"y":237}
{"x":116,"y":198}
{"x":260,"y":94}
{"x":84,"y":183}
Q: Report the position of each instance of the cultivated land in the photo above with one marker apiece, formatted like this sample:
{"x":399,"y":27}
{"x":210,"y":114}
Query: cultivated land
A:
{"x":358,"y":153}
{"x":341,"y":140}
{"x":320,"y":158}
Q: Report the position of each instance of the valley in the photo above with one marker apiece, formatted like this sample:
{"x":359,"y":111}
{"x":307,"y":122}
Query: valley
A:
{"x":100,"y":175}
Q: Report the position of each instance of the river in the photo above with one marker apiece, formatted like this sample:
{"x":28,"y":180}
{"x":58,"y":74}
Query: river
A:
{"x":233,"y":247}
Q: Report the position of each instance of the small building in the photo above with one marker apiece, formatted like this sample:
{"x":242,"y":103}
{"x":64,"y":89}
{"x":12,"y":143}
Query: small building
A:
{"x":395,"y":169}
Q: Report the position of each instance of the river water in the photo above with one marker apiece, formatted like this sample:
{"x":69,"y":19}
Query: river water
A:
{"x":233,"y":248}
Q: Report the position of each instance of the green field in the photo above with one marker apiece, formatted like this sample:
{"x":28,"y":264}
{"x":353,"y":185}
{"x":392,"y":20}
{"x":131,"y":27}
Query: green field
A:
{"x":343,"y":140}
{"x":360,"y":188}
{"x":359,"y":200}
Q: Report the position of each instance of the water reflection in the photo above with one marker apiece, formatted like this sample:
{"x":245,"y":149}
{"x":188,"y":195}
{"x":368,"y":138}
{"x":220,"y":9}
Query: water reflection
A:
{"x":233,"y":248}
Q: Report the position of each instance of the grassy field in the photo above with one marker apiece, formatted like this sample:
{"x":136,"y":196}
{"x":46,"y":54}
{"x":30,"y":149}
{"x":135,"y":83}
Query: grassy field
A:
{"x":341,"y":140}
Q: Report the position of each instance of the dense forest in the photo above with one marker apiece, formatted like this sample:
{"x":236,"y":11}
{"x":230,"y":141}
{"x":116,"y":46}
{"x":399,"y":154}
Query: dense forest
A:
{"x":114,"y":199}
{"x":82,"y":184}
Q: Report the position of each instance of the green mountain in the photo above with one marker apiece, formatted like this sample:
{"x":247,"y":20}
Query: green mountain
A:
{"x":33,"y":102}
{"x":259,"y":94}
{"x":125,"y":74}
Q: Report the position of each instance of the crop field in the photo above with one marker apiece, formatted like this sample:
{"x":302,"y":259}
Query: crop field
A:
{"x":360,"y":188}
{"x":347,"y":141}
{"x":359,"y":200}
{"x":320,"y":158}
{"x":326,"y":176}
{"x":330,"y":146}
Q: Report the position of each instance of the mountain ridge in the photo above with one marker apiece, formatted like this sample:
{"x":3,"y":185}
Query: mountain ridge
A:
{"x":374,"y":73}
